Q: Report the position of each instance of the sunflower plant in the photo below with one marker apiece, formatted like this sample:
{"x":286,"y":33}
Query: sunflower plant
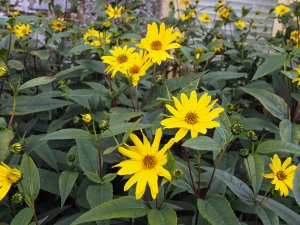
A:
{"x":192,"y":118}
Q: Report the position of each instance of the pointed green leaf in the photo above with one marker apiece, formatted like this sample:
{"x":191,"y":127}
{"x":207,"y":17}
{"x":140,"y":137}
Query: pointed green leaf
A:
{"x":267,"y":216}
{"x":202,"y":143}
{"x":296,"y":185}
{"x":70,"y":133}
{"x":285,"y":130}
{"x":23,"y":217}
{"x":165,"y":216}
{"x":271,"y":64}
{"x":67,"y":180}
{"x":97,"y":194}
{"x":88,"y":156}
{"x":36,"y":82}
{"x":278,"y":146}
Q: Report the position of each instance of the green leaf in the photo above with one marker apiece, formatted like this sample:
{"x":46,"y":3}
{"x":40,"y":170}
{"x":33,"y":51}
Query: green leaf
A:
{"x":130,"y":130}
{"x":237,"y":186}
{"x":259,"y":124}
{"x":77,"y":50}
{"x":23,"y":217}
{"x":267,"y":216}
{"x":98,"y":194}
{"x":271,"y":64}
{"x":36,"y":82}
{"x":278,"y":146}
{"x":213,"y":77}
{"x":285,"y":213}
{"x":255,"y":167}
{"x":165,"y":216}
{"x":61,"y":74}
{"x":33,"y":104}
{"x":272,"y":102}
{"x":69,"y":133}
{"x":6,"y":137}
{"x":202,"y":143}
{"x":285,"y":130}
{"x":93,"y":65}
{"x":93,"y":177}
{"x":67,"y":180}
{"x":296,"y":185}
{"x":31,"y":177}
{"x":123,"y":207}
{"x":15,"y":64}
{"x":217,"y":210}
{"x":88,"y":155}
{"x":42,"y":54}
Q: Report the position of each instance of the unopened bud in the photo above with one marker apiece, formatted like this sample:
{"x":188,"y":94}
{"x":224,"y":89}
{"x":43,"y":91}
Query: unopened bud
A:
{"x":86,"y":118}
{"x":177,"y":174}
{"x":244,"y":152}
{"x":16,"y":148}
{"x":104,"y":124}
{"x":17,"y":198}
{"x":237,"y":128}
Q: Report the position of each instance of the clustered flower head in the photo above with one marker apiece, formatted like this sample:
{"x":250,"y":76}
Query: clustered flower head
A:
{"x":22,"y":30}
{"x":240,"y":24}
{"x":187,"y":16}
{"x":280,"y":10}
{"x":145,"y":163}
{"x":96,"y":38}
{"x":297,"y":79}
{"x":295,"y":38}
{"x":8,"y":177}
{"x":191,"y":114}
{"x":158,"y":41}
{"x":115,"y":12}
{"x":58,"y":24}
{"x":282,"y":175}
{"x":204,"y":17}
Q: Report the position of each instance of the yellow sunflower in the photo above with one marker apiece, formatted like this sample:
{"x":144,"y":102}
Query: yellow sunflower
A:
{"x":204,"y":17}
{"x":96,"y":38}
{"x":145,"y":163}
{"x":224,"y":13}
{"x":137,"y":67}
{"x":22,"y":30}
{"x":119,"y":58}
{"x":240,"y":24}
{"x":113,"y":12}
{"x":282,"y":175}
{"x":8,"y":177}
{"x":295,"y":38}
{"x":58,"y":24}
{"x":184,"y":2}
{"x":158,"y":42}
{"x":192,"y":115}
{"x":281,"y":10}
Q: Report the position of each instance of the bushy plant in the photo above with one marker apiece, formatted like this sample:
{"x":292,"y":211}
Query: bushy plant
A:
{"x":191,"y":119}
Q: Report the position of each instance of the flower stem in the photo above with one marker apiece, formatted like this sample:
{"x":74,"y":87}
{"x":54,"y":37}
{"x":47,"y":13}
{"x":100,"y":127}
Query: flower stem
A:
{"x":190,"y":171}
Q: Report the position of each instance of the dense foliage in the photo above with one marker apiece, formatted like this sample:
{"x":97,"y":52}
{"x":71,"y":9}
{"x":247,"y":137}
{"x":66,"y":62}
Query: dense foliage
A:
{"x":191,"y":119}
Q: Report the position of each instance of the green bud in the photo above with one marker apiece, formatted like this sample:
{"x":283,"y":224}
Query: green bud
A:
{"x":3,"y":71}
{"x":244,"y":152}
{"x":237,"y":128}
{"x":76,"y":119}
{"x":177,"y":174}
{"x":17,"y":198}
{"x":257,"y":12}
{"x":159,"y":79}
{"x":231,"y":107}
{"x":251,"y":134}
{"x":16,"y":148}
{"x":104,"y":124}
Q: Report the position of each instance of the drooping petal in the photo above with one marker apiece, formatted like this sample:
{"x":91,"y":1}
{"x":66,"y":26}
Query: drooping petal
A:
{"x":181,"y":134}
{"x":152,"y":181}
{"x":141,"y":184}
{"x":163,"y":172}
{"x":132,"y":180}
{"x":130,"y":154}
{"x":4,"y":190}
{"x":129,"y":167}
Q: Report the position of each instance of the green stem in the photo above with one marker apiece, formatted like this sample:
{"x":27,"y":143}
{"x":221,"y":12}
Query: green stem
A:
{"x":97,"y":140}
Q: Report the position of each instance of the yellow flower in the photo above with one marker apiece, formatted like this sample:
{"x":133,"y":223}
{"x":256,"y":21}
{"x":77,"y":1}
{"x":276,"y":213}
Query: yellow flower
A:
{"x":106,"y":23}
{"x":223,"y":13}
{"x":3,"y":71}
{"x":179,"y":35}
{"x":22,"y":30}
{"x":281,"y":10}
{"x":204,"y":17}
{"x":58,"y":24}
{"x":129,"y":18}
{"x":184,"y":2}
{"x":282,"y":175}
{"x":297,"y":79}
{"x":192,"y":115}
{"x":158,"y":42}
{"x":137,"y":67}
{"x":218,"y":46}
{"x":220,"y":4}
{"x":295,"y":38}
{"x":113,"y":12}
{"x":87,"y":118}
{"x":8,"y":177}
{"x":15,"y":13}
{"x":145,"y":163}
{"x":187,"y":16}
{"x":96,"y":38}
{"x":240,"y":24}
{"x":119,"y":58}
{"x":198,"y":52}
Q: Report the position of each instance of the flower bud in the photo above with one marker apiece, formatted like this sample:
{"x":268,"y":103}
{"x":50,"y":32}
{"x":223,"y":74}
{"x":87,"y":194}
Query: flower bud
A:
{"x":17,"y":198}
{"x":159,"y":79}
{"x":86,"y":118}
{"x":244,"y":152}
{"x":251,"y":134}
{"x":104,"y":124}
{"x":16,"y":148}
{"x":177,"y":174}
{"x":76,"y":119}
{"x":237,"y":128}
{"x":3,"y":71}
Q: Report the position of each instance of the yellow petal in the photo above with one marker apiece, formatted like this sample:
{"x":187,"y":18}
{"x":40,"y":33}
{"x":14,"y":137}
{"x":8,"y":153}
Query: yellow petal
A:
{"x":286,"y":163}
{"x":132,"y":180}
{"x":129,"y":167}
{"x":163,"y":172}
{"x":4,"y":190}
{"x":156,"y":142}
{"x":152,"y":181}
{"x":130,"y":154}
{"x":140,"y":146}
{"x":181,"y":134}
{"x":141,"y":184}
{"x":268,"y":175}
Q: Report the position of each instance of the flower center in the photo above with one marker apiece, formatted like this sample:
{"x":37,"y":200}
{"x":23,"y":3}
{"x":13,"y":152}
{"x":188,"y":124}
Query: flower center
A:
{"x":122,"y":58}
{"x":149,"y":161}
{"x":13,"y":176}
{"x":134,"y":69}
{"x":191,"y":118}
{"x":116,"y":13}
{"x":24,"y":31}
{"x":58,"y":25}
{"x":156,"y":45}
{"x":281,"y":175}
